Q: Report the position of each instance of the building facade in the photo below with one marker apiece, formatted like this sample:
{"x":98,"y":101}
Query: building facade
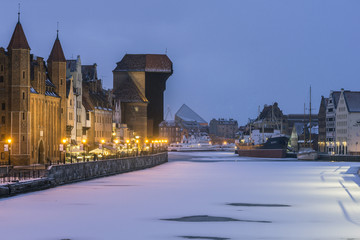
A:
{"x":331,"y":121}
{"x":33,"y":102}
{"x":322,"y":124}
{"x":348,"y":123}
{"x":223,"y":128}
{"x":170,"y":130}
{"x":138,"y":88}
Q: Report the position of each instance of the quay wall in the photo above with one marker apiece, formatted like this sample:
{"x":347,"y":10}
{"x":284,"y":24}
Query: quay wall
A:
{"x":69,"y":173}
{"x":339,"y":158}
{"x":62,"y":174}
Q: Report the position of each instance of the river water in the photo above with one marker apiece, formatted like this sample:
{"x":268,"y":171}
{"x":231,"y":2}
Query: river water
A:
{"x":196,"y":196}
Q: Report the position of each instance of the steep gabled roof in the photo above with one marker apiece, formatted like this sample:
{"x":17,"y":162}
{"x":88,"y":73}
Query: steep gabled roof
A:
{"x":57,"y":54}
{"x":87,"y":103}
{"x":144,"y":63}
{"x":71,"y":65}
{"x":187,"y":114}
{"x":18,"y":39}
{"x":335,"y":96}
{"x":129,"y":92}
{"x":89,"y":72}
{"x":352,"y":100}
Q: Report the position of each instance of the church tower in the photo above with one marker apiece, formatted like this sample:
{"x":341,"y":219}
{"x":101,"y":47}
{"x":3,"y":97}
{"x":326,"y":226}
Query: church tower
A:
{"x":57,"y":74}
{"x":19,"y":96}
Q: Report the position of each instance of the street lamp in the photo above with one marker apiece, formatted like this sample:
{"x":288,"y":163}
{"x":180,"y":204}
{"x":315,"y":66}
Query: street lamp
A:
{"x":102,"y":146}
{"x":64,"y":149}
{"x":84,"y":145}
{"x":9,"y":142}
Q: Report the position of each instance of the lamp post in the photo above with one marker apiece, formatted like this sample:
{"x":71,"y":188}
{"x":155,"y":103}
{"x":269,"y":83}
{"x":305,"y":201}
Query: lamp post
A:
{"x":84,"y":146}
{"x":102,"y":146}
{"x":127,"y":147}
{"x":64,"y":142}
{"x":9,"y":142}
{"x":116,"y":141}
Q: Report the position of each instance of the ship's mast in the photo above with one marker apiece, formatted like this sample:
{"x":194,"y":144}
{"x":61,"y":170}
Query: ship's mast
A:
{"x":304,"y":128}
{"x":310,"y":118}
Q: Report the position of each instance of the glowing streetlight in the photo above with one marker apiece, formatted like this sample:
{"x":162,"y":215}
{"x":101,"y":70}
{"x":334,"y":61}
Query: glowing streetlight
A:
{"x":102,"y":146}
{"x":64,"y":140}
{"x":116,"y":141}
{"x":9,"y":142}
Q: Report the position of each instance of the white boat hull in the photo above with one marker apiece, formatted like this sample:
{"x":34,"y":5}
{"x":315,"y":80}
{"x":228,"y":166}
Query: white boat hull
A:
{"x":307,"y":156}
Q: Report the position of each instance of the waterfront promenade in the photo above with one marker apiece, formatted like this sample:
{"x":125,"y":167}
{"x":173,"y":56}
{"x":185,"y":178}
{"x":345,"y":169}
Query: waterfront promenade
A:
{"x":218,"y":195}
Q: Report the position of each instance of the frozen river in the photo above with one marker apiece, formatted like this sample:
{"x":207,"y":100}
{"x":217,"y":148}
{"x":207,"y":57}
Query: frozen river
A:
{"x":196,"y":196}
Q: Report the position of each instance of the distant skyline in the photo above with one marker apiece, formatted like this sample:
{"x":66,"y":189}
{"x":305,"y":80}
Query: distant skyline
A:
{"x":230,"y":57}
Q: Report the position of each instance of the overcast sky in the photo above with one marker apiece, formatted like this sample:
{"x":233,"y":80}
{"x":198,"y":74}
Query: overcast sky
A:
{"x":229,"y":56}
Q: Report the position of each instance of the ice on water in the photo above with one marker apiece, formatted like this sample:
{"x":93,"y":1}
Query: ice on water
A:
{"x":278,"y":199}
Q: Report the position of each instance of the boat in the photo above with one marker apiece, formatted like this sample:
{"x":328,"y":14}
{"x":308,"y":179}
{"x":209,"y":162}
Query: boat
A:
{"x":202,"y":143}
{"x":274,"y":147}
{"x":307,"y":154}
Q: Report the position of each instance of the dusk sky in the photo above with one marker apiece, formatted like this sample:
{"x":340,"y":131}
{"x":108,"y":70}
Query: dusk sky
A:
{"x":229,"y":57}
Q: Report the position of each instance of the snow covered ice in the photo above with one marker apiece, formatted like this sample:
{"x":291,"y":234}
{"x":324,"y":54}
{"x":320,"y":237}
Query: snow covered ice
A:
{"x":193,"y":196}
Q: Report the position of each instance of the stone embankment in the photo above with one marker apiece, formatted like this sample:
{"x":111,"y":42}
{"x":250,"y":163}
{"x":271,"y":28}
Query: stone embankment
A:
{"x":69,"y":173}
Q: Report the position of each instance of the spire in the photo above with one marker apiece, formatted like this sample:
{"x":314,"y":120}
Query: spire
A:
{"x":57,"y":54}
{"x":18,"y":39}
{"x":19,"y":14}
{"x":57,"y":31}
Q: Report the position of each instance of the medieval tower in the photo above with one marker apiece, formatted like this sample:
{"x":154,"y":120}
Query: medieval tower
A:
{"x":18,"y":94}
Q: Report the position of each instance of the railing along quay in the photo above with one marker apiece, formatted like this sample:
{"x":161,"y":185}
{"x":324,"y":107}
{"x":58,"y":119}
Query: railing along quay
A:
{"x":11,"y":174}
{"x":16,"y":175}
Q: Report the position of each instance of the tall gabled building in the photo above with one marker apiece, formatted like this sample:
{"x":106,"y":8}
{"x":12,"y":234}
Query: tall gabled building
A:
{"x":145,"y":75}
{"x":33,"y":102}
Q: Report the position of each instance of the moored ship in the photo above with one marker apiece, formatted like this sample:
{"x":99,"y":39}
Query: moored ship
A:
{"x":274,"y":147}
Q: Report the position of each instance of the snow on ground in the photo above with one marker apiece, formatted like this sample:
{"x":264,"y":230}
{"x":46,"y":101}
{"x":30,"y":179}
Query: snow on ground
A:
{"x":324,"y":202}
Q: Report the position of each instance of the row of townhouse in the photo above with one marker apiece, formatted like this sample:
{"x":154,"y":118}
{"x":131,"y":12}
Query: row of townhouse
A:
{"x":343,"y":123}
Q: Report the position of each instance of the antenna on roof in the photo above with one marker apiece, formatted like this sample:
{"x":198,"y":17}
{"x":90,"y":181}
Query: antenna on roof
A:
{"x":57,"y":31}
{"x":165,"y":50}
{"x":19,"y":14}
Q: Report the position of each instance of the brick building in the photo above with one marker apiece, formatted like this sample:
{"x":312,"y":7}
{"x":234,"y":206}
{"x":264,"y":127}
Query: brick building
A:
{"x":225,"y":128}
{"x":33,"y":101}
{"x":138,"y":88}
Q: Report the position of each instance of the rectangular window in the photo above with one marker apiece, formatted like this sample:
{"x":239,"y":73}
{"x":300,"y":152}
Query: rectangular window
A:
{"x":23,"y":115}
{"x":1,"y":78}
{"x":3,"y":119}
{"x":330,"y":110}
{"x":1,"y":67}
{"x":87,"y":116}
{"x":3,"y":106}
{"x":2,"y":155}
{"x":23,"y":74}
